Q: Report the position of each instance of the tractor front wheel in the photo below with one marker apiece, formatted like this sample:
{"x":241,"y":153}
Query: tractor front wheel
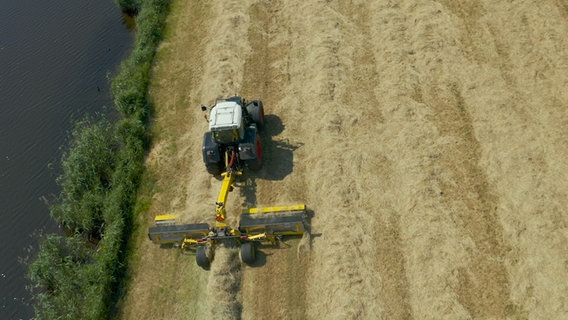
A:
{"x":256,"y":111}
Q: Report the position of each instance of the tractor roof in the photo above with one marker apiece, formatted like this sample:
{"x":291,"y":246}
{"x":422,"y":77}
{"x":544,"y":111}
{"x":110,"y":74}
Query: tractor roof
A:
{"x":225,"y":115}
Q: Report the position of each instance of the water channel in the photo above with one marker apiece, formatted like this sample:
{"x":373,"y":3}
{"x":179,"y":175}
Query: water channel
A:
{"x":56,"y":58}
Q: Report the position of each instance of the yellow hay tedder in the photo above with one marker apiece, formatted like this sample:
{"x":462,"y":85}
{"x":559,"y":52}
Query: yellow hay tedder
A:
{"x":231,"y":145}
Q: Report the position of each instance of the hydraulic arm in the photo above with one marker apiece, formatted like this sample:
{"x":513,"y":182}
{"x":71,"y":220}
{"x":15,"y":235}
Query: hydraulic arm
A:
{"x":226,"y":187}
{"x":228,"y":180}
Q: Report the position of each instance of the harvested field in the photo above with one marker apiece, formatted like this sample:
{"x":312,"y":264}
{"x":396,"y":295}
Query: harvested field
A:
{"x":428,"y":137}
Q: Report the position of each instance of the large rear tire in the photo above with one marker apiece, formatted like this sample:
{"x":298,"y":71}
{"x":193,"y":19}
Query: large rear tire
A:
{"x":201,"y":258}
{"x":256,"y":110}
{"x":214,"y":168}
{"x":248,"y":252}
{"x":211,"y":154}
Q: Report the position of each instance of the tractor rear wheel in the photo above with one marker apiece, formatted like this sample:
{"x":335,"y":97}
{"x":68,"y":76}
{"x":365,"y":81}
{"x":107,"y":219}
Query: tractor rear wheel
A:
{"x":256,"y":111}
{"x":201,"y":258}
{"x":248,"y":252}
{"x":214,"y":168}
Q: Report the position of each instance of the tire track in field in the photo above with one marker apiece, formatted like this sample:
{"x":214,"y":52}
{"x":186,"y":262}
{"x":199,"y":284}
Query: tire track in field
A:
{"x":453,"y":194}
{"x":363,"y":100}
{"x":341,"y":277}
{"x":509,"y":98}
{"x":275,"y":287}
{"x":411,"y":143}
{"x":468,"y":192}
{"x":524,"y":151}
{"x":472,"y":200}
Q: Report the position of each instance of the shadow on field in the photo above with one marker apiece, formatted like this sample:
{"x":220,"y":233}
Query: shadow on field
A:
{"x":260,"y":258}
{"x":278,"y":155}
{"x":277,"y":158}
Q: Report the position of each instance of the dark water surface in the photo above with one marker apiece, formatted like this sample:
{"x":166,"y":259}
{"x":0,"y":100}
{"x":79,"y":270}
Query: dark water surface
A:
{"x":56,"y":58}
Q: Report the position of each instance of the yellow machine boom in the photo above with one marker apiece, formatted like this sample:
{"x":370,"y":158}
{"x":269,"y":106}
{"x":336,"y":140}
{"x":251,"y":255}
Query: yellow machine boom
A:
{"x":226,"y":187}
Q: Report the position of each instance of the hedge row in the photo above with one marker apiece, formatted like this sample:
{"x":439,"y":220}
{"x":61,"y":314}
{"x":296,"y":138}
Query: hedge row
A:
{"x":76,"y":277}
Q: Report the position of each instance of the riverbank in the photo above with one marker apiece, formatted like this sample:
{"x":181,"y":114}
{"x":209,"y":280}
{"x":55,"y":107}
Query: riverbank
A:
{"x":101,"y":174}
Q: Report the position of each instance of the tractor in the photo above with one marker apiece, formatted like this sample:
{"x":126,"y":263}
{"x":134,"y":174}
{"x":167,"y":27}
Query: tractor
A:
{"x":231,"y":146}
{"x":234,"y":127}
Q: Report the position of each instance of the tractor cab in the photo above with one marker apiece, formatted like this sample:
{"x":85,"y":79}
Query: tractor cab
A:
{"x":234,"y":126}
{"x":226,"y":122}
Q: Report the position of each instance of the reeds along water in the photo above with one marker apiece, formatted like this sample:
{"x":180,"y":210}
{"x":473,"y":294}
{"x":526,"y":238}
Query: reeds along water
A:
{"x":56,"y":57}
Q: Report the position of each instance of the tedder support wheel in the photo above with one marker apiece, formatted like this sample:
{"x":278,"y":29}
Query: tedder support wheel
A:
{"x":201,"y":258}
{"x":248,"y":252}
{"x":256,"y":111}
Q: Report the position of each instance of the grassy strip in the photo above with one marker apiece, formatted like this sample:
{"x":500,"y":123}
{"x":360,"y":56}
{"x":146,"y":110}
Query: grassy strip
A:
{"x":75,"y":277}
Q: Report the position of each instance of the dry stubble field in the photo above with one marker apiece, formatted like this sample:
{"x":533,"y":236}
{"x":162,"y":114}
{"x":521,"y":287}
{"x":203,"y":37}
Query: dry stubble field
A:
{"x":428,"y":137}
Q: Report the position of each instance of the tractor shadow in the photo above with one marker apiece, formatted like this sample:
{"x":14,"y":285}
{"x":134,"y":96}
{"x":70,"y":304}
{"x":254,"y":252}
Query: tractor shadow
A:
{"x":278,"y":159}
{"x":278,"y":163}
{"x":278,"y":155}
